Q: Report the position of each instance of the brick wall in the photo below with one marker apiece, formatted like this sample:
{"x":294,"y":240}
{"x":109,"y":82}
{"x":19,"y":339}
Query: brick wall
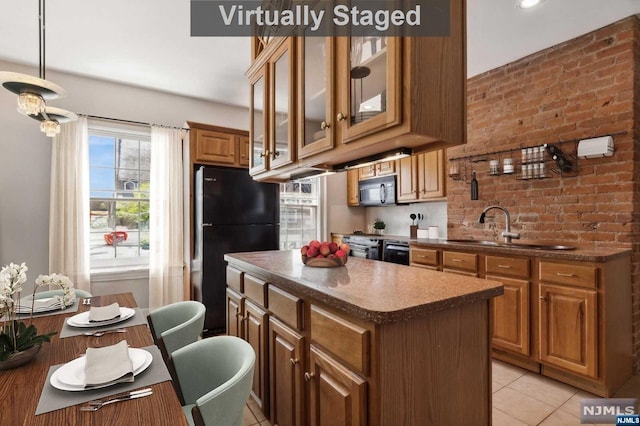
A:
{"x":582,"y":88}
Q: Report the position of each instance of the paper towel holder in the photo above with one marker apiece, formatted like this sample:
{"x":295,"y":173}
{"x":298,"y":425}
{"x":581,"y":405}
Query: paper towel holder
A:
{"x":595,"y":147}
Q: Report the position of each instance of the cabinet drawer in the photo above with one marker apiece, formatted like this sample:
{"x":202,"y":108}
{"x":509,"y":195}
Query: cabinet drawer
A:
{"x":565,"y":273}
{"x":234,"y":278}
{"x":255,"y":289}
{"x":286,"y":307}
{"x":342,"y":338}
{"x":464,"y":261}
{"x":510,"y":266}
{"x":423,"y":256}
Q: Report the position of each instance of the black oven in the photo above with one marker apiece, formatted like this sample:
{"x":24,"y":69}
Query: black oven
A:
{"x":364,"y":247}
{"x":395,"y":251}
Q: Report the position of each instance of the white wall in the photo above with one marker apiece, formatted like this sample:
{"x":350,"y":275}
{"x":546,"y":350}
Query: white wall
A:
{"x":397,"y":217}
{"x":25,"y":152}
{"x":340,"y":218}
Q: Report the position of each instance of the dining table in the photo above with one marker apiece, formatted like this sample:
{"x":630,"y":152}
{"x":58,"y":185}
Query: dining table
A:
{"x":21,"y":388}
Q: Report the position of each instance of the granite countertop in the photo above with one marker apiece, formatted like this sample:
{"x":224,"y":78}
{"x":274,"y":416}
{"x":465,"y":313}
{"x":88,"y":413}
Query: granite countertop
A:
{"x":373,"y":291}
{"x":585,"y":254}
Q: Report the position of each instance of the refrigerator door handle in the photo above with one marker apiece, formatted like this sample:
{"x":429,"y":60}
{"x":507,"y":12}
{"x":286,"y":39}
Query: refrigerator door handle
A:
{"x":206,"y":225}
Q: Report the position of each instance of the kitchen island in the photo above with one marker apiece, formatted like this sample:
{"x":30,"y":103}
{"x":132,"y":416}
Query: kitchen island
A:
{"x":367,"y":343}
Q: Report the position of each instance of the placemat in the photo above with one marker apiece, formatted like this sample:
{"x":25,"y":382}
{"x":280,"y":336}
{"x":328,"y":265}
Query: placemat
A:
{"x":68,"y":310}
{"x":139,"y":318}
{"x":52,"y":399}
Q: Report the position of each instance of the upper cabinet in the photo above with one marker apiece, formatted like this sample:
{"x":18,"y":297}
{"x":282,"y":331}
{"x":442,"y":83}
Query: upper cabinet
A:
{"x":319,"y":102}
{"x":370,"y":77}
{"x":218,"y":146}
{"x":316,"y":73}
{"x":272,"y":111}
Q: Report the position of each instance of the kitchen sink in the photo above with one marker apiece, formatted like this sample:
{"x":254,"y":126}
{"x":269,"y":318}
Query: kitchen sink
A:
{"x":514,"y":245}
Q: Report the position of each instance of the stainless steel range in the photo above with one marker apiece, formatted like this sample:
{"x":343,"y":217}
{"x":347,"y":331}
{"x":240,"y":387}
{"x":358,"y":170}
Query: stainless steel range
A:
{"x":365,"y":247}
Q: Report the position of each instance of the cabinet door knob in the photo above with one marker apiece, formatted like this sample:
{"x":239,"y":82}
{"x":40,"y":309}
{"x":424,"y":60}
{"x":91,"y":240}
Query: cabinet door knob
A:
{"x":276,"y":154}
{"x":264,"y":154}
{"x":544,"y":299}
{"x":309,"y":376}
{"x":341,"y":117}
{"x":324,"y":125}
{"x":293,"y":361}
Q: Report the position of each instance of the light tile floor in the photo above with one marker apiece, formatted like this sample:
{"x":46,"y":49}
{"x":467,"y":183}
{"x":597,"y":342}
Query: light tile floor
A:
{"x":520,"y":398}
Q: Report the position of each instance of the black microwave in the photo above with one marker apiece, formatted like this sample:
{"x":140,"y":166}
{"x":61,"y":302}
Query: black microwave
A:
{"x":378,"y":191}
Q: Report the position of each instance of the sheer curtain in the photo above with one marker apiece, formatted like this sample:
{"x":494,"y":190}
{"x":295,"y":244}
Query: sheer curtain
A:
{"x":166,"y":214}
{"x":69,"y":204}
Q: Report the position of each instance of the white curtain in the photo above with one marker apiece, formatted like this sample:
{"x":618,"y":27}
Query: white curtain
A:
{"x":166,"y":213}
{"x":69,"y":204}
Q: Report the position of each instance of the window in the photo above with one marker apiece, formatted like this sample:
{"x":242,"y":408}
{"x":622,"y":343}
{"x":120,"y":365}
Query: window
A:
{"x":119,"y":190}
{"x":299,"y":212}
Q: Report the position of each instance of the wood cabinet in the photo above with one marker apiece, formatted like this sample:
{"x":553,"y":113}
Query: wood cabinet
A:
{"x":235,"y":313}
{"x":421,"y":177}
{"x":361,"y":96}
{"x":567,"y":319}
{"x":272,"y":112}
{"x":338,"y":396}
{"x":383,"y":168}
{"x":568,"y":329}
{"x":353,"y":192}
{"x":287,"y":367}
{"x":218,"y":146}
{"x":255,"y":333}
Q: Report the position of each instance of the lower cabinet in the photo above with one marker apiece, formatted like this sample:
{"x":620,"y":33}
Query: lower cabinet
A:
{"x":255,"y":333}
{"x":287,"y":367}
{"x":510,"y":316}
{"x":568,"y":329}
{"x":338,"y":395}
{"x":235,"y":313}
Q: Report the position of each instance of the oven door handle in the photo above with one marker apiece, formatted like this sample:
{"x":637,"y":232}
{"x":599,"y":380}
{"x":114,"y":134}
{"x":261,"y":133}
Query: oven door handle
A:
{"x":397,"y":248}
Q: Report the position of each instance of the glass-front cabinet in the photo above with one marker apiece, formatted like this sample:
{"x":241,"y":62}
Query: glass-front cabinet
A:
{"x":272,"y":112}
{"x":258,"y":126}
{"x":370,"y":90}
{"x":316,"y":73}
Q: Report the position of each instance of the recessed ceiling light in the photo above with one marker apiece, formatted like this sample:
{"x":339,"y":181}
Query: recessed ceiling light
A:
{"x":526,"y":4}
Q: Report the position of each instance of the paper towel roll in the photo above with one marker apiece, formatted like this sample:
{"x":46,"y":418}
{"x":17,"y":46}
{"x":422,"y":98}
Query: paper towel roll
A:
{"x":433,"y":232}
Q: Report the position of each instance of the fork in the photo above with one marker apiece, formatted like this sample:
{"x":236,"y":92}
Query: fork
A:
{"x":95,"y":406}
{"x":103,"y":332}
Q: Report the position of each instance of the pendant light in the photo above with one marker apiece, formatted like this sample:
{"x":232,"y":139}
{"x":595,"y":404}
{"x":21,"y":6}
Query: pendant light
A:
{"x":33,"y":91}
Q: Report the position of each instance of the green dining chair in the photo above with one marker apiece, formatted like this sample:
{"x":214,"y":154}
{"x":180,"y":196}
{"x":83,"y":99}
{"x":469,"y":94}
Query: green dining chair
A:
{"x":80,"y":294}
{"x":214,"y":378}
{"x":176,"y":325}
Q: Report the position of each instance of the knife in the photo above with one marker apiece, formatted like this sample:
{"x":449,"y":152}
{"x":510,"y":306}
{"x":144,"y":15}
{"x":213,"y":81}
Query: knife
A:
{"x":120,"y":395}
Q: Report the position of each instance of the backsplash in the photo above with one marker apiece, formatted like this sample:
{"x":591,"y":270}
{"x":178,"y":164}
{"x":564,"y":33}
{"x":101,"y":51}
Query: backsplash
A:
{"x":397,"y":217}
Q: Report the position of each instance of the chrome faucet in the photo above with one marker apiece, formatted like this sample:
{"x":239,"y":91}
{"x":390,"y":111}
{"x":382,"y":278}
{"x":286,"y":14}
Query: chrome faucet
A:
{"x":507,"y":234}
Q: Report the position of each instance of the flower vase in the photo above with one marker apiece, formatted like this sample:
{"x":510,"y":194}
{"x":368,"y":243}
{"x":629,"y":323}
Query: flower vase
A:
{"x":379,"y":231}
{"x":20,"y":358}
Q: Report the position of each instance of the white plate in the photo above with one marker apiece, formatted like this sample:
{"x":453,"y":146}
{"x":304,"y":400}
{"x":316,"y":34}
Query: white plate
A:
{"x":82,"y":319}
{"x":70,"y":377}
{"x":24,"y":307}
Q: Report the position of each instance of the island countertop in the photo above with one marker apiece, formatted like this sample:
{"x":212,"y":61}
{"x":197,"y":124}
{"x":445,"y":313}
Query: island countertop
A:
{"x":374,"y":291}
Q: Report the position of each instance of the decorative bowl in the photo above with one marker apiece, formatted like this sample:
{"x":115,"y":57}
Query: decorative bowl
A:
{"x":324,"y":262}
{"x":20,"y":358}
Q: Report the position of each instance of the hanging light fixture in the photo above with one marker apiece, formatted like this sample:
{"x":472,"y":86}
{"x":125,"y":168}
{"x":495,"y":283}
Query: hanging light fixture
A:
{"x":51,"y":118}
{"x":33,"y":91}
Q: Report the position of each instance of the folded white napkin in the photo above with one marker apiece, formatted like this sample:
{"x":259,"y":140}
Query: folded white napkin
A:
{"x":108,"y":365}
{"x":104,"y":313}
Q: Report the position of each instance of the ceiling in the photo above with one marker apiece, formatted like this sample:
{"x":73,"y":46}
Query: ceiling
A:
{"x":147,"y":43}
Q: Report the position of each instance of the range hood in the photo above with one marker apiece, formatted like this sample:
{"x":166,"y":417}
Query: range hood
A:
{"x":394,"y":154}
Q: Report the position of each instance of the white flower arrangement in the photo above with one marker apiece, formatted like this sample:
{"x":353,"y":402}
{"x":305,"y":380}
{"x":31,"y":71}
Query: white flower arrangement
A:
{"x":62,"y":281}
{"x":12,"y":277}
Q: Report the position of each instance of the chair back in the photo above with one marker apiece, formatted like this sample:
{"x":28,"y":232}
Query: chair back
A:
{"x":176,"y":325}
{"x":216,"y":375}
{"x":80,"y":294}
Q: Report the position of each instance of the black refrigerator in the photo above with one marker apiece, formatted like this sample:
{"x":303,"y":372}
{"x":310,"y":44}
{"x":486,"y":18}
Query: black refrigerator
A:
{"x":233,"y":213}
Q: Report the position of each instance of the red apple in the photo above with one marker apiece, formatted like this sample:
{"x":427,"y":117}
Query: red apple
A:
{"x":312,"y":252}
{"x":303,"y":250}
{"x":314,"y":243}
{"x":333,"y":247}
{"x":324,"y":249}
{"x":341,"y":253}
{"x":332,"y":256}
{"x":320,"y":256}
{"x":345,"y":247}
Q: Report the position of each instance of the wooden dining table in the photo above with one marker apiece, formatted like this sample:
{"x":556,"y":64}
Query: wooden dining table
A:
{"x":20,"y":388}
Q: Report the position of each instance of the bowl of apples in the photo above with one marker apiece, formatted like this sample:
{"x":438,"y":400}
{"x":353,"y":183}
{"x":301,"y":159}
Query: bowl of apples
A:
{"x":324,"y":254}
